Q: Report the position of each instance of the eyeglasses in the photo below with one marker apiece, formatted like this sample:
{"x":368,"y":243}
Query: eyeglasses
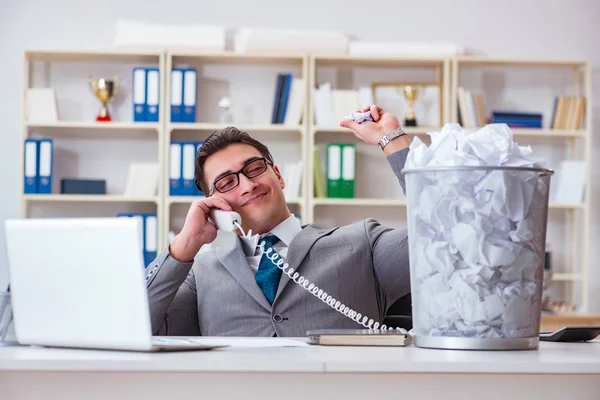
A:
{"x":230,"y":181}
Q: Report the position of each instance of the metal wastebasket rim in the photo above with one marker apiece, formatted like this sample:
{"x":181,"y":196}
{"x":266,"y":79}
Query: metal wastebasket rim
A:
{"x":543,"y":171}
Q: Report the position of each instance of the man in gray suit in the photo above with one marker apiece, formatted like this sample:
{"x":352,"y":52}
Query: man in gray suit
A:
{"x":235,"y":290}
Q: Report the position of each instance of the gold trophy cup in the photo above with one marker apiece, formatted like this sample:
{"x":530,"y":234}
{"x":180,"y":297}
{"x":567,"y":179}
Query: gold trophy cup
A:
{"x":410,"y":94}
{"x":105,"y":90}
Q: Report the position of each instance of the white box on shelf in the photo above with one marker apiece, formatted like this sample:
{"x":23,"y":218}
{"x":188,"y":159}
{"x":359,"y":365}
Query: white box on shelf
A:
{"x":41,"y":105}
{"x":248,"y":40}
{"x":374,"y":48}
{"x":142,"y":180}
{"x":570,"y":183}
{"x":161,"y":37}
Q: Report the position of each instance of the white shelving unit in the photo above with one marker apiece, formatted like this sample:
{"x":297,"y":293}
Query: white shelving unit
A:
{"x":571,"y":270}
{"x":211,"y":67}
{"x":250,"y":81}
{"x":350,"y":72}
{"x":66,"y":72}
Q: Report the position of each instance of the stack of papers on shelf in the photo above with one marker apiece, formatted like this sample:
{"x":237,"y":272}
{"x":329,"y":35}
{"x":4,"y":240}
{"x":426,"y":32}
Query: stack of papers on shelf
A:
{"x":249,"y":40}
{"x":292,"y":175}
{"x":333,"y":105}
{"x":142,"y":180}
{"x":41,"y":105}
{"x":570,"y":183}
{"x":363,"y":47}
{"x":161,"y":37}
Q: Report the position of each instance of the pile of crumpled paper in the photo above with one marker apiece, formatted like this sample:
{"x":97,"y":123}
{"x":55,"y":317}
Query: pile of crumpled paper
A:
{"x":476,"y":235}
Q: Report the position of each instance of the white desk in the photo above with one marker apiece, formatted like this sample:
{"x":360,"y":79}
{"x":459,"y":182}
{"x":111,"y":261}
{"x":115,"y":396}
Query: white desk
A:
{"x":555,"y":371}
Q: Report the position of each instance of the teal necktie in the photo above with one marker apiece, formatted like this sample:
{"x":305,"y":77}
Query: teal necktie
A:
{"x":268,"y":275}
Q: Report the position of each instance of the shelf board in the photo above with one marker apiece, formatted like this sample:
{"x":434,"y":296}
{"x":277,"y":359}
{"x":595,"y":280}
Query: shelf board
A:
{"x":563,"y":206}
{"x":191,"y":199}
{"x":566,"y":277}
{"x":233,"y":57}
{"x":548,"y":132}
{"x":250,"y":128}
{"x":87,"y":198}
{"x":519,"y":62}
{"x":378,"y":60}
{"x":131,"y":55}
{"x":96,"y":129}
{"x":420,"y":130}
{"x":358,"y":202}
{"x":393,"y":202}
{"x":183,"y":199}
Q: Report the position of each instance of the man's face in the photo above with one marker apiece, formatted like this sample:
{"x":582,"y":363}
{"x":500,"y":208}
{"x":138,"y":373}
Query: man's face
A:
{"x":259,"y":200}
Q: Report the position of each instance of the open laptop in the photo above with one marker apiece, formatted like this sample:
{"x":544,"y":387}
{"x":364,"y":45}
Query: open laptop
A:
{"x":79,"y":282}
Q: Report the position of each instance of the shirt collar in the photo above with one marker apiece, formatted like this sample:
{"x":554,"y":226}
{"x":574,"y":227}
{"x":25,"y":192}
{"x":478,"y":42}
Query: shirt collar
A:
{"x":287,"y":230}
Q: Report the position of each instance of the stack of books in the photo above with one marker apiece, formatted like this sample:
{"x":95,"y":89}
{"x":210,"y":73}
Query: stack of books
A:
{"x":568,"y":112}
{"x":517,"y":119}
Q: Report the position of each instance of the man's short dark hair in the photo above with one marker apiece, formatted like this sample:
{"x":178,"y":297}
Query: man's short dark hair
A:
{"x":217,"y":141}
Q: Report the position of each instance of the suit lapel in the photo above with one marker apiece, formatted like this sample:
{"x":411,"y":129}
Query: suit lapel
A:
{"x":234,"y":260}
{"x":298,"y":250}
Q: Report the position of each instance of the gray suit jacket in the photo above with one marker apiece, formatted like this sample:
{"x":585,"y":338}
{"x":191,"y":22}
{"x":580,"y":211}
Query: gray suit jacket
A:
{"x":363,"y":265}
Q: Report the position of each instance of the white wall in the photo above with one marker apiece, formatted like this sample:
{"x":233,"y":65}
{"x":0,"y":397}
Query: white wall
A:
{"x":514,"y":28}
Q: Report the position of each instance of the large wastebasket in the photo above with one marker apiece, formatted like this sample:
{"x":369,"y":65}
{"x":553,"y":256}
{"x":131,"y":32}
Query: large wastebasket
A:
{"x":477,"y":236}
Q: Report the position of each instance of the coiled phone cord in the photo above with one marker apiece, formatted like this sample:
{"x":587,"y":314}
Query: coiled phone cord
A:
{"x":317,"y":292}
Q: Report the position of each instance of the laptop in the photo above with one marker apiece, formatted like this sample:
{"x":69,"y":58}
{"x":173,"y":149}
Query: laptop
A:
{"x":80,"y":283}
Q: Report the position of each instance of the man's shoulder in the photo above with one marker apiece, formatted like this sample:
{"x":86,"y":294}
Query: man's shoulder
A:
{"x":358,"y":226}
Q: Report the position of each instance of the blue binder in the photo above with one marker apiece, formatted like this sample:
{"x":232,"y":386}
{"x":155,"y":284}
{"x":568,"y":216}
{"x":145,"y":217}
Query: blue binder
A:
{"x":198,"y":145}
{"x":139,"y":94}
{"x":150,"y":238}
{"x":30,"y":167}
{"x":188,"y":158}
{"x":189,"y":94}
{"x":152,"y":94}
{"x":45,"y":166}
{"x":175,"y":166}
{"x":176,"y":95}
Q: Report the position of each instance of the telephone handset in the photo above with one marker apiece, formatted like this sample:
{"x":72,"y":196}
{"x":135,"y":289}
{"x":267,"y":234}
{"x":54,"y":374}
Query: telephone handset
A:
{"x":230,"y":221}
{"x":225,"y":220}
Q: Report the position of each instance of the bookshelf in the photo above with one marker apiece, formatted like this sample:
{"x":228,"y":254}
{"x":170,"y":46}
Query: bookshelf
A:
{"x":350,"y":72}
{"x":82,"y":147}
{"x":250,"y":81}
{"x":563,"y":77}
{"x":227,"y":74}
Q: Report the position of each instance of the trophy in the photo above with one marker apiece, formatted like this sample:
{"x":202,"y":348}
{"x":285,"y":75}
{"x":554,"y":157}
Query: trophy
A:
{"x":225,"y":116}
{"x":105,"y":90}
{"x":410,"y":94}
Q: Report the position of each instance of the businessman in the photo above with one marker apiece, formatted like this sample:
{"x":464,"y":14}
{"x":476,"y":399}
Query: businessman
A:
{"x":233,"y":290}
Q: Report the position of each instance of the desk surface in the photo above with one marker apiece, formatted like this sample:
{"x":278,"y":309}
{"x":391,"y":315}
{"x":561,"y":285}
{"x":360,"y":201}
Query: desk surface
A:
{"x":550,"y":358}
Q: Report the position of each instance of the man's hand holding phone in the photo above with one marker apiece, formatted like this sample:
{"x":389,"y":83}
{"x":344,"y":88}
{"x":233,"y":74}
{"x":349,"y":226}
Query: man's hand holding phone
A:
{"x":197,"y":229}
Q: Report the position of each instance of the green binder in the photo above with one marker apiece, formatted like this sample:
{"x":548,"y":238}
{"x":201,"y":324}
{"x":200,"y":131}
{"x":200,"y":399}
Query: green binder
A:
{"x":334,"y":170}
{"x":348,"y":170}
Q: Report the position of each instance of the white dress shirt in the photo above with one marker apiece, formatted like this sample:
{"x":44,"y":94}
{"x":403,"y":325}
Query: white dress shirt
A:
{"x":285,"y":231}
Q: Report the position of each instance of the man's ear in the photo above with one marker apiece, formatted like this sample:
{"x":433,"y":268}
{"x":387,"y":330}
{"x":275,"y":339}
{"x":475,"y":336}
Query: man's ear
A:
{"x":279,"y":177}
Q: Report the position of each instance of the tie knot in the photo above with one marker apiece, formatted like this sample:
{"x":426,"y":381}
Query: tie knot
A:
{"x":270,"y":240}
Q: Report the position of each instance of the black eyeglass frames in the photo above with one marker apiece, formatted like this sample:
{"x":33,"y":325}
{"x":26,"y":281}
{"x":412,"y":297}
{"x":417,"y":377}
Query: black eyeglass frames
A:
{"x":230,"y":181}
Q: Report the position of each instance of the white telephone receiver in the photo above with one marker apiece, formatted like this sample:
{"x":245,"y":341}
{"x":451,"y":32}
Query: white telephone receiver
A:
{"x":225,"y":220}
{"x":230,"y":221}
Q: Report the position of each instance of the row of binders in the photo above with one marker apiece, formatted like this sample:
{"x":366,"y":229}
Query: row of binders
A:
{"x":184,"y":83}
{"x":288,"y":104}
{"x":38,"y":166}
{"x":181,"y":169}
{"x":146,"y":94}
{"x":148,"y":224}
{"x":341,"y":171}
